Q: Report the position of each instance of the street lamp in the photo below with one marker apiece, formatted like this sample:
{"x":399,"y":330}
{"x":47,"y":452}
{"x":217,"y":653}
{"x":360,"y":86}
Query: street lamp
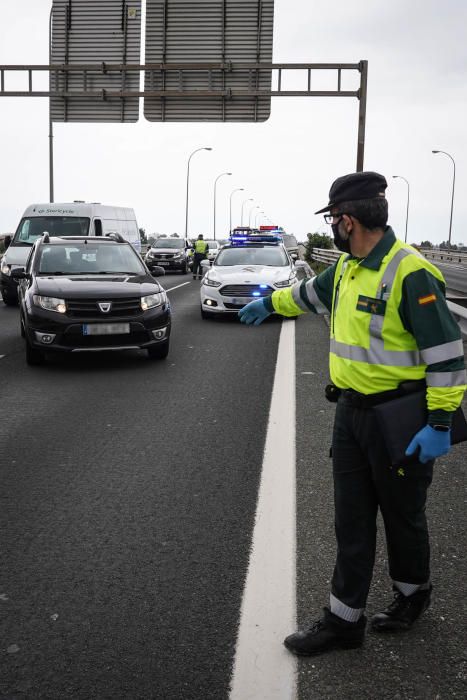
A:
{"x":453,"y":186}
{"x":259,"y":213}
{"x":250,"y":199}
{"x":249,"y":215}
{"x":215,"y":185}
{"x":408,"y":196}
{"x":51,"y":128}
{"x":239,"y":189}
{"x":204,"y":148}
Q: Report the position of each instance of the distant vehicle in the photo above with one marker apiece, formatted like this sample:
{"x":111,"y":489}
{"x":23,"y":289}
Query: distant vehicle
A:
{"x":214,"y":248}
{"x":88,"y":294}
{"x":170,"y":253}
{"x":288,"y":239}
{"x":68,"y":219}
{"x":248,"y":268}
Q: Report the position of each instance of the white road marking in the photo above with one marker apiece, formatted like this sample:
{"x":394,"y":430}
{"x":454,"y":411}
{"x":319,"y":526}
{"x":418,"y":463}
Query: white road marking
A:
{"x":177,"y":287}
{"x":263,"y":668}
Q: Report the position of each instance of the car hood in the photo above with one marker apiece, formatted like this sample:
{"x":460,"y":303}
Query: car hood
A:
{"x":101,"y":286}
{"x":161,"y":251}
{"x":249,"y":274}
{"x":17,"y":255}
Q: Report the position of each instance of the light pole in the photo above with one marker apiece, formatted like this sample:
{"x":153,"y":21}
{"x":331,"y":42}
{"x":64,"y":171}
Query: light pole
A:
{"x":239,"y":189}
{"x":204,"y":148}
{"x":215,"y":186}
{"x":51,"y":128}
{"x":453,"y":186}
{"x":408,"y":197}
{"x":259,"y":213}
{"x":249,"y":215}
{"x":250,"y":199}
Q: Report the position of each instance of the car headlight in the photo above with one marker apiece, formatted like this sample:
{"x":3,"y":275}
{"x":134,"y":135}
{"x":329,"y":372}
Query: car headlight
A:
{"x":284,"y":283}
{"x":50,"y":303}
{"x":177,"y":256}
{"x":211,"y":283}
{"x":5,"y":269}
{"x":153,"y":300}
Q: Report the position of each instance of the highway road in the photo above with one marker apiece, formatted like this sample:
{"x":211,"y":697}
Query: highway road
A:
{"x":131,"y":541}
{"x":455,"y":275}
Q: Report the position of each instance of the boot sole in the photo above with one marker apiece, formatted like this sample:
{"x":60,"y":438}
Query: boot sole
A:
{"x":332,"y":647}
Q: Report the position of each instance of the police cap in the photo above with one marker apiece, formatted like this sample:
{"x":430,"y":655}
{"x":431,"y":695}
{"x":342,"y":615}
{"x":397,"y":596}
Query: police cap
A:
{"x":355,"y":186}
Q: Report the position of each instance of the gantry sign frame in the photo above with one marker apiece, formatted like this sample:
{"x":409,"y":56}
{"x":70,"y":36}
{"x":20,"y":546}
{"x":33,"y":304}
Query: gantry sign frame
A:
{"x":81,"y":87}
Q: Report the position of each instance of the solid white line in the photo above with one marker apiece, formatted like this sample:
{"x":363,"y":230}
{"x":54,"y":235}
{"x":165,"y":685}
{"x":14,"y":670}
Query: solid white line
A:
{"x":263,"y":668}
{"x":177,"y":287}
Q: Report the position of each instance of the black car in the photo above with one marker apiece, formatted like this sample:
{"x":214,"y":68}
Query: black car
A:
{"x":82,"y":294}
{"x":170,"y":253}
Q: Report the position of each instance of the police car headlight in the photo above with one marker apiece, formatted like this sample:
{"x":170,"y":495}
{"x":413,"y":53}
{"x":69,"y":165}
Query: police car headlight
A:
{"x":284,"y":283}
{"x":153,"y":300}
{"x":5,"y":269}
{"x":211,"y":283}
{"x":50,"y":303}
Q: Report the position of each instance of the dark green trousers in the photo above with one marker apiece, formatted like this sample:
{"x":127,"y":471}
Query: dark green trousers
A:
{"x":363,"y":482}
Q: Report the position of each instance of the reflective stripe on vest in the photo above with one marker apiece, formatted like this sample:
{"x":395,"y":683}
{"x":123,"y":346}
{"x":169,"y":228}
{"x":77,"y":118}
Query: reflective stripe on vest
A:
{"x":443,"y":379}
{"x":305,"y":297}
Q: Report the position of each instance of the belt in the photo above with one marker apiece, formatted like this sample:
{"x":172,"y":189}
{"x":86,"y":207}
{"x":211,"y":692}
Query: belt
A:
{"x":358,"y":400}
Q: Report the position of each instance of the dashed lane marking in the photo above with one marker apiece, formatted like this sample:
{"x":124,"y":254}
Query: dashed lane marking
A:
{"x":263,"y":668}
{"x":177,"y":287}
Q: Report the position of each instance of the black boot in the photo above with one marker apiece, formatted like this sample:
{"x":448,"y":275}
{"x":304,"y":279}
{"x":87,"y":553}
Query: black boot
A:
{"x":402,"y":612}
{"x":330,"y":632}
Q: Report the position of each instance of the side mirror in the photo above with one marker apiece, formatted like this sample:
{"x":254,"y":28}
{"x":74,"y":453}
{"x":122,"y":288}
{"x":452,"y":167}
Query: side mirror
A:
{"x":294,"y":256}
{"x":206,"y":264}
{"x":18,"y":273}
{"x":157,"y":271}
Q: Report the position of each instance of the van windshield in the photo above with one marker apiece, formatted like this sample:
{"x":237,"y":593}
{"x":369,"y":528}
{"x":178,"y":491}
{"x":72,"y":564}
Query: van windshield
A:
{"x":30,"y":228}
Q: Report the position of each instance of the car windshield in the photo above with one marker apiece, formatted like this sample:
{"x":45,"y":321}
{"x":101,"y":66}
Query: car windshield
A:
{"x":274,"y":256}
{"x":76,"y":258}
{"x":30,"y":228}
{"x":169,"y":243}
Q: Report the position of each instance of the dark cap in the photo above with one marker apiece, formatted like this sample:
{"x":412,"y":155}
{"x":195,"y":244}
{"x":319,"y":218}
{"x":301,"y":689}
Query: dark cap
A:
{"x":355,"y":186}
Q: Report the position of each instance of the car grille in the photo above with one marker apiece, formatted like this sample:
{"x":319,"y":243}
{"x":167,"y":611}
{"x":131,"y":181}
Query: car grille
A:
{"x":88,"y":308}
{"x":163,"y":256}
{"x":77,"y":340}
{"x":245,"y":290}
{"x":229,"y":305}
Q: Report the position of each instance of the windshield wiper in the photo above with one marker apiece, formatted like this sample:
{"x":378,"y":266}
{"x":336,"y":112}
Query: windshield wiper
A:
{"x":53,"y":274}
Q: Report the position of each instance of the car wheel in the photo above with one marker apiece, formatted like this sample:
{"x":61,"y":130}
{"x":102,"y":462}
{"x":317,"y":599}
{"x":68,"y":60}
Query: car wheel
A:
{"x":9,"y":301}
{"x":158,"y":352}
{"x":33,"y":356}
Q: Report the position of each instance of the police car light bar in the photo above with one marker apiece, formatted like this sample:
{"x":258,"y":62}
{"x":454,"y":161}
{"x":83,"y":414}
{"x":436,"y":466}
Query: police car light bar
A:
{"x":245,"y":238}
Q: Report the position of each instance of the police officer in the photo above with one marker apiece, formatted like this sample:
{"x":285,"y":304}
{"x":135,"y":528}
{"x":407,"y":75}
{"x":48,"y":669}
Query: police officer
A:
{"x":389,"y":325}
{"x":200,"y":250}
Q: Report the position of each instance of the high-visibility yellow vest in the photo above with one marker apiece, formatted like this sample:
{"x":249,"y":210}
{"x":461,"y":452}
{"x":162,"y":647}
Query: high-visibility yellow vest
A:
{"x":201,"y":247}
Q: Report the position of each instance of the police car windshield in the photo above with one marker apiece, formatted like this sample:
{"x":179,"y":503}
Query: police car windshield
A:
{"x":30,"y":228}
{"x":76,"y":258}
{"x":169,"y":243}
{"x":273,"y":256}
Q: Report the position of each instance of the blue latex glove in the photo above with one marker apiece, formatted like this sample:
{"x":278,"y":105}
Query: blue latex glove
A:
{"x":432,"y":443}
{"x":254,"y":313}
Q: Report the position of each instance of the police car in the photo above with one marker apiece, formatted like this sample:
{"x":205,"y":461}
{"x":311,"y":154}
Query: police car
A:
{"x":250,"y":266}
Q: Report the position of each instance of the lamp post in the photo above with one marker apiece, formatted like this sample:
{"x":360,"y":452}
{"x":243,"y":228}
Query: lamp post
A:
{"x":239,"y":189}
{"x":250,"y":199}
{"x":51,"y":128}
{"x":204,"y":148}
{"x":453,"y":186}
{"x":259,"y":213}
{"x":249,"y":215}
{"x":408,"y":197}
{"x":215,"y":186}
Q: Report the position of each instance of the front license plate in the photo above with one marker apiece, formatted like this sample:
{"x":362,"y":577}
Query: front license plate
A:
{"x":163,"y":263}
{"x":242,"y":300}
{"x":105,"y":328}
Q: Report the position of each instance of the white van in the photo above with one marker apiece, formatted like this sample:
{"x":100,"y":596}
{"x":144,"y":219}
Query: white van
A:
{"x":68,"y":219}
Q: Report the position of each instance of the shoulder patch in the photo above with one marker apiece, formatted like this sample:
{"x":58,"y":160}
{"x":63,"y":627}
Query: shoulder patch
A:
{"x":427,"y":299}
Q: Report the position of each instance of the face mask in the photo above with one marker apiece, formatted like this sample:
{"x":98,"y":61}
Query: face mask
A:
{"x":341,"y":244}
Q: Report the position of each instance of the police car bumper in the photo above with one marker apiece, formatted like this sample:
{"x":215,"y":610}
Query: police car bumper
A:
{"x":217,"y":304}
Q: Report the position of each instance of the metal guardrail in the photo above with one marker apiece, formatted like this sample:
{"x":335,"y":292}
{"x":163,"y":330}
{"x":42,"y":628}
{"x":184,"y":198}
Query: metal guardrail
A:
{"x":328,"y":257}
{"x":445,"y":255}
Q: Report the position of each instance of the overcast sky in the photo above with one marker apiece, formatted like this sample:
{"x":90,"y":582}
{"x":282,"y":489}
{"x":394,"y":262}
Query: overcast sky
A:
{"x":417,"y":101}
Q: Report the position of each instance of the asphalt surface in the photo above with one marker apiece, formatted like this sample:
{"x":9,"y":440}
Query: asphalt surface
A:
{"x":128,"y":491}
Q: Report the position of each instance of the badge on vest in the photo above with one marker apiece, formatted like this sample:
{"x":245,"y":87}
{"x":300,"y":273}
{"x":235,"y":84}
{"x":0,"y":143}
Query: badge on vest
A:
{"x":371,"y":306}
